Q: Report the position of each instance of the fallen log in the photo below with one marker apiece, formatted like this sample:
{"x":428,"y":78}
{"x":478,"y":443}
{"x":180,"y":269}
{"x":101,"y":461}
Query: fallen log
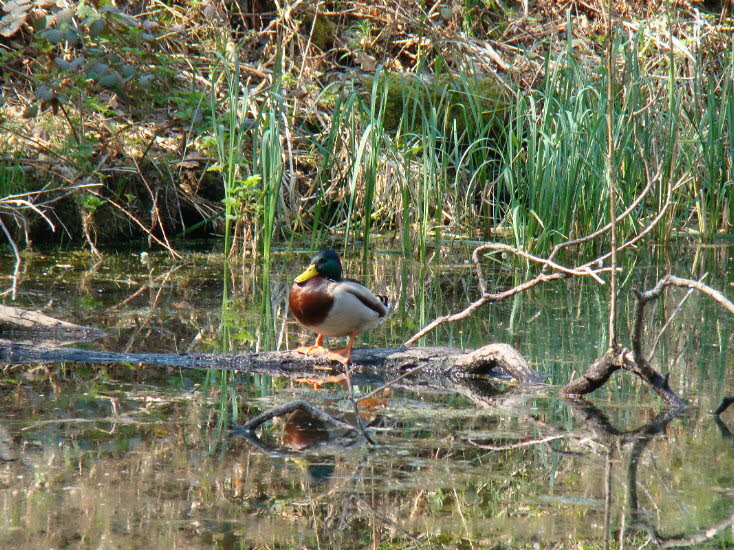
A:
{"x":18,"y":321}
{"x":368,"y":366}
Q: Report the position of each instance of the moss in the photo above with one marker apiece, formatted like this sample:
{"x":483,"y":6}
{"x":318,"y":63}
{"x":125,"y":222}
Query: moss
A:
{"x":479,"y":99}
{"x":324,"y":30}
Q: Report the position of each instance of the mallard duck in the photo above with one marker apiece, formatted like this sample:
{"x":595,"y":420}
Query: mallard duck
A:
{"x":332,"y":306}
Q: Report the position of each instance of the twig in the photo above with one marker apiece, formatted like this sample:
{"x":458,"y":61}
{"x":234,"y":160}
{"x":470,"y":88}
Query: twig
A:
{"x":618,"y":219}
{"x":484,"y":299}
{"x":670,"y":280}
{"x":670,"y":320}
{"x":611,"y":182}
{"x":580,"y":272}
{"x":518,"y":445}
{"x":140,"y":224}
{"x":14,"y":285}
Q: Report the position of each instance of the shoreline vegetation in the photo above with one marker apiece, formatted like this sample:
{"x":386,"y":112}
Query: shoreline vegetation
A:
{"x":340,"y":121}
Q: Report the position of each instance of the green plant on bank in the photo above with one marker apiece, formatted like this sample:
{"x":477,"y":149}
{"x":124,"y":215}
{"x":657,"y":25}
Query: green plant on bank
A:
{"x":246,"y":136}
{"x":230,"y":121}
{"x":421,"y":156}
{"x":553,"y":166}
{"x":711,"y":119}
{"x":13,"y":180}
{"x":540,"y":176}
{"x":92,"y":49}
{"x":417,"y":156}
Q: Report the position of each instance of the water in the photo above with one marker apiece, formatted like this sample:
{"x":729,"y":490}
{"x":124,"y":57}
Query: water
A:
{"x":129,"y":456}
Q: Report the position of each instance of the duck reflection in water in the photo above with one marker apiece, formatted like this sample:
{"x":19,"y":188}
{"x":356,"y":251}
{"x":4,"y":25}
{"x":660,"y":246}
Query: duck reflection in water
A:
{"x":303,"y":431}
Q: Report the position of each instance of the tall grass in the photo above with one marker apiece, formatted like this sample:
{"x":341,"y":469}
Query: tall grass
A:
{"x":711,"y":120}
{"x":451,"y":155}
{"x":229,"y":117}
{"x":247,"y":134}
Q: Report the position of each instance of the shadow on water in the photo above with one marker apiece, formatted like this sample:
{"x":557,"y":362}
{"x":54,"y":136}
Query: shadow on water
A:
{"x":123,"y":455}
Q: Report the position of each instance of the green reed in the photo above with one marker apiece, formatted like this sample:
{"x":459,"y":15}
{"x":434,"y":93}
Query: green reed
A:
{"x":228,"y":123}
{"x":710,"y":116}
{"x":427,"y":157}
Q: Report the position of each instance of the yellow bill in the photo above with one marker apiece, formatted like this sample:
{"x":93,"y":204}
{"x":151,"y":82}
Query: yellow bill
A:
{"x":308,"y":274}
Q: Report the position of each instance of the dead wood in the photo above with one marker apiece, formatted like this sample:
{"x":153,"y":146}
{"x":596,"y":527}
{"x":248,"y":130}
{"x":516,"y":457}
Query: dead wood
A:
{"x":369,"y":366}
{"x":728,"y":400}
{"x":599,"y":372}
{"x":16,"y":320}
{"x":636,"y":362}
{"x":620,"y":358}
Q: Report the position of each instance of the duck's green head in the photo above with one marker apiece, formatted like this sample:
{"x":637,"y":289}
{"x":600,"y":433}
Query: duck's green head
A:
{"x":326,"y":264}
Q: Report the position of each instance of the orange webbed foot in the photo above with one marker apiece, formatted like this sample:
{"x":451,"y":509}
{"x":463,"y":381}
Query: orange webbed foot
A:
{"x":316,"y":349}
{"x":311,"y":350}
{"x":343,"y":355}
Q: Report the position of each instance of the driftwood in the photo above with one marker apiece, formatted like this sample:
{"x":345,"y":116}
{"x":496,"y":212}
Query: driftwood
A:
{"x":621,"y":358}
{"x":369,"y":366}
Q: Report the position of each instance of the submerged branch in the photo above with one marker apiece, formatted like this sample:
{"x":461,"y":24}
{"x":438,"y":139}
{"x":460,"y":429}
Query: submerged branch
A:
{"x":16,"y":320}
{"x":252,"y":424}
{"x":620,"y":358}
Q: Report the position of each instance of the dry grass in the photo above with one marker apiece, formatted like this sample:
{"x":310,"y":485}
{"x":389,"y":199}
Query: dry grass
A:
{"x":149,"y":146}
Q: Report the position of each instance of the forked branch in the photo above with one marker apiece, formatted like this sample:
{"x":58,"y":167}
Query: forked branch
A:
{"x":635,"y":361}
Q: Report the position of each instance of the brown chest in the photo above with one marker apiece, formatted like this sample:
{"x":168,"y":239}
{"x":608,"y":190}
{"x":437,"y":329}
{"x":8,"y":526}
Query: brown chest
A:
{"x":310,"y":301}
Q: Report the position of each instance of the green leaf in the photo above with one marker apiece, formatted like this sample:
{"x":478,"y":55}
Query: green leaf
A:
{"x":54,"y":36}
{"x":96,"y":27}
{"x":110,"y":80}
{"x":146,"y":80}
{"x":72,"y":37}
{"x":44,"y":93}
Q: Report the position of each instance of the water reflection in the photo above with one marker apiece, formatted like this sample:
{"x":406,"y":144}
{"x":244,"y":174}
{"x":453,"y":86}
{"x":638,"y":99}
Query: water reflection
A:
{"x":126,"y":456}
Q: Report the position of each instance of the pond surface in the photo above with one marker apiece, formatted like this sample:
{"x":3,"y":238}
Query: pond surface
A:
{"x":136,"y":456}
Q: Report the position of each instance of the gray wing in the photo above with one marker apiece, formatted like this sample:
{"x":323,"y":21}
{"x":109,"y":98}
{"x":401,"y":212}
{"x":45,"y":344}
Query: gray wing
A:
{"x":363,"y":294}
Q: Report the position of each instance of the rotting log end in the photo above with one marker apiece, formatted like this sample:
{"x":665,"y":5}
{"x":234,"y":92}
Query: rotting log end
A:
{"x":502,"y":356}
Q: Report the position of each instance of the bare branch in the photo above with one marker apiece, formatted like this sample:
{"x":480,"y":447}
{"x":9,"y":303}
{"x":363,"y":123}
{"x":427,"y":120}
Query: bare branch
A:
{"x":140,"y":224}
{"x":580,"y":272}
{"x":672,"y":280}
{"x":620,"y":358}
{"x":484,"y":299}
{"x":608,"y":226}
{"x":670,"y":320}
{"x":519,"y":444}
